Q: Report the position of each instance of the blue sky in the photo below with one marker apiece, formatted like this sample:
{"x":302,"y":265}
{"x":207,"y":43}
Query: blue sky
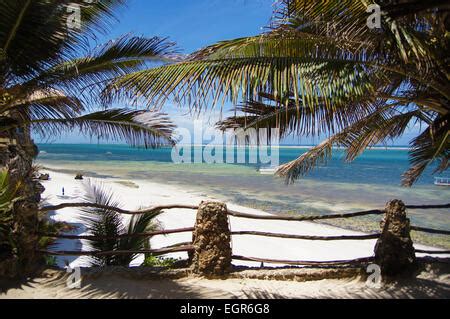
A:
{"x":194,"y":24}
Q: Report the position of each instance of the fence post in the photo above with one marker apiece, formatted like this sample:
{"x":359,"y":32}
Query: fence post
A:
{"x":394,"y":251}
{"x":212,"y":240}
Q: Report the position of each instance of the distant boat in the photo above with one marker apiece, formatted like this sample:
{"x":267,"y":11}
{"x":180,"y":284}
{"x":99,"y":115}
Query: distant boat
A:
{"x":268,"y":171}
{"x":442,"y":181}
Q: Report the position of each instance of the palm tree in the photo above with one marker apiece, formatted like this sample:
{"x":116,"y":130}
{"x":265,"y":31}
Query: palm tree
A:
{"x":320,"y":69}
{"x":108,"y":227}
{"x":50,"y":82}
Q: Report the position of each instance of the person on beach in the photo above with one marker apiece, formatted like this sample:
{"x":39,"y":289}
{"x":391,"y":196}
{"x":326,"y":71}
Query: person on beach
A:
{"x":63,"y":191}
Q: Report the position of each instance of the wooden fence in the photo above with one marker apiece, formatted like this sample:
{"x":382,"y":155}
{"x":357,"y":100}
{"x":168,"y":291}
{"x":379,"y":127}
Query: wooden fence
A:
{"x":194,"y":248}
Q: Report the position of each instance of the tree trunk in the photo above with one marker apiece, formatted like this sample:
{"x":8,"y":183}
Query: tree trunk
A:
{"x":17,"y":152}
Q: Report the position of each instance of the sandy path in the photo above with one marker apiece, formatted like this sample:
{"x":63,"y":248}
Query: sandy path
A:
{"x":52,"y":286}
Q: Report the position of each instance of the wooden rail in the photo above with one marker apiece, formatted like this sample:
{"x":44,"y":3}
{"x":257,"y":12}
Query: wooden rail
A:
{"x":151,"y":234}
{"x":305,"y":218}
{"x":187,"y":247}
{"x":433,"y":252}
{"x":116,"y":209}
{"x":430,"y":230}
{"x":428,"y":206}
{"x":324,"y":238}
{"x":155,"y":252}
{"x":306,"y":263}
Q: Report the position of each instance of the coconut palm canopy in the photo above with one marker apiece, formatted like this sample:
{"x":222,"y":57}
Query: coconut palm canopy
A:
{"x":50,"y":78}
{"x":320,"y":69}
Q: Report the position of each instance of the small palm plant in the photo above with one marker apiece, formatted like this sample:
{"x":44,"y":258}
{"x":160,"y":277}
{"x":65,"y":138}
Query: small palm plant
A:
{"x":110,"y":230}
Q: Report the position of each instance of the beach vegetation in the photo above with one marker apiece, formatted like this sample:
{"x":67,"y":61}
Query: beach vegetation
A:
{"x":48,"y":226}
{"x":8,"y":196}
{"x":160,"y":262}
{"x":111,"y":231}
{"x":51,"y":261}
{"x":324,"y":69}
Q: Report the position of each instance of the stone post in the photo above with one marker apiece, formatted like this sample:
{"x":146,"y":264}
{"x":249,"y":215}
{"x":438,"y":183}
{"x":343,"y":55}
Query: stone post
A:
{"x":394,"y":251}
{"x":212,"y":240}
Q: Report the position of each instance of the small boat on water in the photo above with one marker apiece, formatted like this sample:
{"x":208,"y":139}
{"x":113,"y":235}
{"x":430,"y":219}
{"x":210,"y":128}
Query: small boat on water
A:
{"x":442,"y":181}
{"x":268,"y":171}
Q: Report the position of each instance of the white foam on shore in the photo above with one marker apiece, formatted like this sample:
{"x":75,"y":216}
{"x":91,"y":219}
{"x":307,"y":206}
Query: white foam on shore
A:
{"x":151,"y":194}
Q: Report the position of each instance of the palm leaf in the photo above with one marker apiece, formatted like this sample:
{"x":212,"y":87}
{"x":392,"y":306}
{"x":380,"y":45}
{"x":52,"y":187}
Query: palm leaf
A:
{"x":430,"y":146}
{"x":8,"y":196}
{"x":382,"y":125}
{"x":39,"y":27}
{"x":138,"y":224}
{"x":43,"y":104}
{"x":149,"y":129}
{"x":8,"y":191}
{"x":300,"y":120}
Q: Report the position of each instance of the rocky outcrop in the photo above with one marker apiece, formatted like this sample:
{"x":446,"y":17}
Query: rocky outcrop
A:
{"x":394,"y":251}
{"x":212,"y":241}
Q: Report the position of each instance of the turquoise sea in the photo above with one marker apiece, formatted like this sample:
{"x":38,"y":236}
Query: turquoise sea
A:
{"x":369,"y":182}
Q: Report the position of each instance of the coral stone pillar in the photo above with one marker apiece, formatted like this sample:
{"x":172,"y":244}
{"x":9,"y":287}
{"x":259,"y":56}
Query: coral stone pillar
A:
{"x":212,"y":240}
{"x":394,"y":251}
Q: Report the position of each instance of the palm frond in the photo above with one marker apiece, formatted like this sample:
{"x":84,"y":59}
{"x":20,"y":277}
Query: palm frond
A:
{"x":40,"y":28}
{"x":87,"y":76}
{"x":347,"y":20}
{"x":433,"y":145}
{"x":202,"y":84}
{"x":8,"y":196}
{"x":7,"y":191}
{"x":149,"y":129}
{"x":43,"y":104}
{"x":138,"y":224}
{"x":379,"y":127}
{"x":300,"y":120}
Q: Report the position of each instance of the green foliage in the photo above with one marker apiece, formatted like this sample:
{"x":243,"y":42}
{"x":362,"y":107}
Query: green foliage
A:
{"x":160,"y":262}
{"x":7,"y":198}
{"x":51,"y":261}
{"x":107,"y":226}
{"x":47,"y":226}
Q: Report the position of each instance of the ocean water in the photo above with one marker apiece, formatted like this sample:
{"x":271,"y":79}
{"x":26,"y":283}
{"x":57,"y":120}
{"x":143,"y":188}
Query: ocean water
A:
{"x":369,"y":182}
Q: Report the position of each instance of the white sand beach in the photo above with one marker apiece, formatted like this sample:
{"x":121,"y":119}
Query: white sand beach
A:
{"x":139,"y":194}
{"x":432,"y":282}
